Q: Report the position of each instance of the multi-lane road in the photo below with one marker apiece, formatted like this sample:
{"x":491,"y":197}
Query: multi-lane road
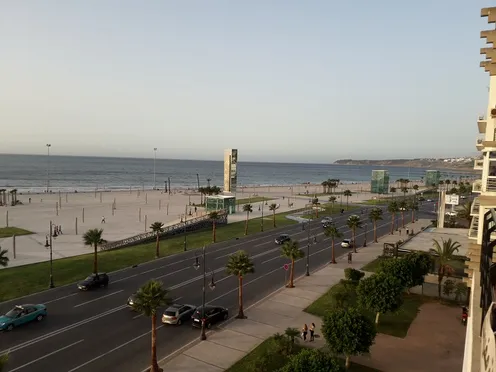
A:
{"x":95,"y":330}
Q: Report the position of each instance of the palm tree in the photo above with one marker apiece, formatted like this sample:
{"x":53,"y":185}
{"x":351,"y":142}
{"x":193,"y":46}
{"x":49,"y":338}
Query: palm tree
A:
{"x":214,"y":216}
{"x":464,"y":212}
{"x":403,"y":205}
{"x":413,"y":206}
{"x":333,"y":233}
{"x":416,"y":187}
{"x":240,"y":264}
{"x":93,"y":238}
{"x":325,"y":185}
{"x":292,"y":333}
{"x":392,"y":190}
{"x":393,"y":209}
{"x":315,"y":204}
{"x":149,"y":298}
{"x":4,"y":260}
{"x":347,"y":193}
{"x":375,"y":215}
{"x":444,"y":254}
{"x":333,"y":184}
{"x":293,"y":252}
{"x":248,"y":209}
{"x":273,"y":207}
{"x":157,"y":228}
{"x":332,"y":200}
{"x":404,"y":190}
{"x":354,"y":222}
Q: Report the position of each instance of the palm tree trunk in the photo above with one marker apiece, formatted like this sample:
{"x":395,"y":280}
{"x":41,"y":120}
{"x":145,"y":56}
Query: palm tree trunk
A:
{"x":241,"y":314}
{"x":213,"y":231}
{"x":157,"y":247}
{"x":333,"y":258}
{"x":154,"y":367}
{"x":353,"y":234}
{"x":347,"y":362}
{"x":375,"y":231}
{"x":439,"y":281}
{"x":377,"y":318}
{"x":291,"y":274}
{"x":347,"y":204}
{"x":246,"y":224}
{"x":392,"y":223}
{"x":274,"y":218}
{"x":95,"y":260}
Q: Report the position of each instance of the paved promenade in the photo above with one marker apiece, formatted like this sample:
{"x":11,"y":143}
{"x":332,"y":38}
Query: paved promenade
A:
{"x":280,"y":310}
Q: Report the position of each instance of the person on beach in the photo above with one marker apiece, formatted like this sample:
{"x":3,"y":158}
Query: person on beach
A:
{"x":312,"y":332}
{"x":103,"y":219}
{"x":304,"y":331}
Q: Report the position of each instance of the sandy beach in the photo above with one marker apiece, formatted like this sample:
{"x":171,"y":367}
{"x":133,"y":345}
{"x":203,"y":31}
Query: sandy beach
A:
{"x":134,"y":212}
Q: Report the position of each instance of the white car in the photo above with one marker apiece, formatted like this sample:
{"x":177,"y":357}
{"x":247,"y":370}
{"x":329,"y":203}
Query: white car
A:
{"x":346,"y":243}
{"x":451,"y":214}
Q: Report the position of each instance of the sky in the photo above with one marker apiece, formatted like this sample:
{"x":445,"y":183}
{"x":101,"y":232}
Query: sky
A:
{"x":280,"y":80}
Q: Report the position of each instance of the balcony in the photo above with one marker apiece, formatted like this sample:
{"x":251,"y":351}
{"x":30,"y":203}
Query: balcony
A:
{"x":478,"y":164}
{"x":482,"y":123}
{"x":475,"y":208}
{"x":473,"y":231}
{"x":477,"y":186}
{"x":479,"y":144}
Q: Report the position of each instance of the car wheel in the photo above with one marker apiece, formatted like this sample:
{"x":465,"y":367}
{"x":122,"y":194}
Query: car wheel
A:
{"x":226,"y":315}
{"x":179,"y":322}
{"x":10,"y":327}
{"x":39,"y":318}
{"x":209,"y":325}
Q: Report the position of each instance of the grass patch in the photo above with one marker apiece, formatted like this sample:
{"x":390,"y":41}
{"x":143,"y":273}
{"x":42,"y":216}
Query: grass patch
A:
{"x":255,"y":199}
{"x":278,"y":360}
{"x":374,"y":265}
{"x":329,"y":210}
{"x":7,"y":232}
{"x":395,"y":324}
{"x":24,"y":280}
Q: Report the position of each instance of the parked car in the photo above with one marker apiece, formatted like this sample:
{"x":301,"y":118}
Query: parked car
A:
{"x":283,"y":238}
{"x":94,"y":281}
{"x":22,"y":314}
{"x":421,"y":198}
{"x":131,"y":299}
{"x":451,"y":214}
{"x":347,"y":243}
{"x":178,"y":313}
{"x":326,"y":221}
{"x":213,"y":314}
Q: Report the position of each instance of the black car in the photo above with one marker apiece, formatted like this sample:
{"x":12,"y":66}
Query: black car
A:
{"x":213,"y":314}
{"x":94,"y":281}
{"x":283,"y":238}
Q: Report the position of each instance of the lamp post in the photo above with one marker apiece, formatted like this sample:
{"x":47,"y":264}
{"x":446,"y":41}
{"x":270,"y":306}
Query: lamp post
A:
{"x":51,"y":285}
{"x":184,"y":244}
{"x":197,"y":265}
{"x":48,"y":166}
{"x":261,"y":220}
{"x":154,"y":173}
{"x":307,"y":273}
{"x":365,"y":238}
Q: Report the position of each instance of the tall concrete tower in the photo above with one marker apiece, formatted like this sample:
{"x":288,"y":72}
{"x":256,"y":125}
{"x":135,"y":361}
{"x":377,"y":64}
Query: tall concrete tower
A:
{"x":230,"y":170}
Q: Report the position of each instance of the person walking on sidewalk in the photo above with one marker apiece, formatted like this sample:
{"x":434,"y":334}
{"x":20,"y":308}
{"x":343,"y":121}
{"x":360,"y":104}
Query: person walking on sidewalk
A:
{"x":304,"y":331}
{"x":312,"y":332}
{"x":350,"y":257}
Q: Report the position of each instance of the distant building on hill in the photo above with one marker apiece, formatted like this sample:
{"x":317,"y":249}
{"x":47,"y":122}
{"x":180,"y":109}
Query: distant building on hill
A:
{"x":432,"y":178}
{"x":230,"y":170}
{"x":380,"y":182}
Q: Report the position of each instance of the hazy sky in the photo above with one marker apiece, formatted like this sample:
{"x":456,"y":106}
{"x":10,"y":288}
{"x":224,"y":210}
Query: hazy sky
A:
{"x":281,"y":80}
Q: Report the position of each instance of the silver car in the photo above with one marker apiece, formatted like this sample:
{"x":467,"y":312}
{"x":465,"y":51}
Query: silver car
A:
{"x":178,"y":313}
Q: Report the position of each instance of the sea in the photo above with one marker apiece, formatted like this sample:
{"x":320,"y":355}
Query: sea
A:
{"x":30,"y":173}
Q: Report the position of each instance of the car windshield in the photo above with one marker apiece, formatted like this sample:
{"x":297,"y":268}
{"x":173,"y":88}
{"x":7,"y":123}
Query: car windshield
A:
{"x":90,"y":277}
{"x":170,"y":313}
{"x":346,"y":240}
{"x":13,"y":313}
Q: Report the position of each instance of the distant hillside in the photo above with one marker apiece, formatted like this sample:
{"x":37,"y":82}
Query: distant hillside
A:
{"x":465,"y":164}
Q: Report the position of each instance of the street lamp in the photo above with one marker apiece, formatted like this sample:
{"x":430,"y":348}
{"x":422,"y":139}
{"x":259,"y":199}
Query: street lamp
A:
{"x":48,"y":166}
{"x":307,"y":273}
{"x":51,"y":285}
{"x":211,"y":285}
{"x":262,"y":219}
{"x":365,"y":238}
{"x":184,"y":244}
{"x":154,"y":173}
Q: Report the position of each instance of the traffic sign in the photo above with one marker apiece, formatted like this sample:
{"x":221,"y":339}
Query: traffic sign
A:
{"x":452,"y":199}
{"x":286,"y":267}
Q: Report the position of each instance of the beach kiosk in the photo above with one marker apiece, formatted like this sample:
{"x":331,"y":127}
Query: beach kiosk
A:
{"x":219,"y":202}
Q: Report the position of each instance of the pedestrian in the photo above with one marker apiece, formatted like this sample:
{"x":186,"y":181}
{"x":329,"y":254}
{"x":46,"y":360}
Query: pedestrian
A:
{"x":407,"y":231}
{"x":304,"y":332}
{"x":312,"y":332}
{"x":400,"y":231}
{"x":103,"y":219}
{"x":350,"y":257}
{"x":46,"y":242}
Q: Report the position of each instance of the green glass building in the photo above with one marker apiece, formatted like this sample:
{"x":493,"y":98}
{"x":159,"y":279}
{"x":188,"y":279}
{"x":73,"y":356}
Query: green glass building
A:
{"x":432,"y":178}
{"x":220,"y":202}
{"x":380,"y":182}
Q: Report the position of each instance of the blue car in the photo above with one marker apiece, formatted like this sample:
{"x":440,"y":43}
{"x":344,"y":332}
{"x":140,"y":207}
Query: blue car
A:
{"x":22,"y":314}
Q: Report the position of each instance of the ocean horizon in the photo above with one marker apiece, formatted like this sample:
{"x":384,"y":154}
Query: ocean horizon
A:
{"x":29,"y":173}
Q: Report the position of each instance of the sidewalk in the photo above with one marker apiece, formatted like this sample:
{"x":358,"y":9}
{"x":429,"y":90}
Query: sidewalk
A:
{"x":273,"y":314}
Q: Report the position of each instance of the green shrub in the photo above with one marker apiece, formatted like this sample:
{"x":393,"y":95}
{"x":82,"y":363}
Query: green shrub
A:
{"x":353,"y":275}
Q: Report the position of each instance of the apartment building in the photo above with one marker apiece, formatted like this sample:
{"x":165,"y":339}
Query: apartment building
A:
{"x":480,"y":345}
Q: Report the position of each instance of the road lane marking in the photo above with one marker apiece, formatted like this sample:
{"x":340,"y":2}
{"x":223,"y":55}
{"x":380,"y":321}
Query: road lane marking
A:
{"x":174,"y":272}
{"x":60,"y":331}
{"x":266,"y":252}
{"x":111,"y":351}
{"x":99,"y":298}
{"x":47,"y":355}
{"x":271,"y":259}
{"x":137,"y":316}
{"x":60,"y":298}
{"x":192,"y":280}
{"x":225,"y":255}
{"x":126,"y":278}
